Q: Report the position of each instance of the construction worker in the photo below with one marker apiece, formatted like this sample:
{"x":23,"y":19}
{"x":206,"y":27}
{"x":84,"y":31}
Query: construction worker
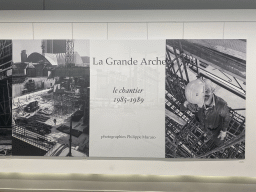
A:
{"x":210,"y":110}
{"x":54,"y":121}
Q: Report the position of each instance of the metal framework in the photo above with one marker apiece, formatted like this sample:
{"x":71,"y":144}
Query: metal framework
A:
{"x":64,"y":103}
{"x":32,"y":138}
{"x":69,"y":57}
{"x":5,"y":83}
{"x":5,"y":102}
{"x":190,"y":140}
{"x":5,"y":58}
{"x":36,"y":126}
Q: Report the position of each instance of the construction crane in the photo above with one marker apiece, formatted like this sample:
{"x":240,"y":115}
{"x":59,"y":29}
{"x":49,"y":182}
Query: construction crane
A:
{"x":69,"y":57}
{"x":69,"y":61}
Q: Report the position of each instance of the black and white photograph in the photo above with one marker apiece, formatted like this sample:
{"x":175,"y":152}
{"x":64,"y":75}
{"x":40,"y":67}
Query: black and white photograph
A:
{"x":50,"y":97}
{"x":205,"y":93}
{"x":5,"y":97}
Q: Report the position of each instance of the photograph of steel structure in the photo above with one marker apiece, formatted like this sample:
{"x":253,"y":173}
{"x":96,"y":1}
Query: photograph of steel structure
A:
{"x":50,"y":97}
{"x":5,"y":97}
{"x":205,"y":99}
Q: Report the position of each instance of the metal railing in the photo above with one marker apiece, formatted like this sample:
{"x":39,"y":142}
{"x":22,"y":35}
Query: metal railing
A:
{"x":191,"y":140}
{"x":32,"y":138}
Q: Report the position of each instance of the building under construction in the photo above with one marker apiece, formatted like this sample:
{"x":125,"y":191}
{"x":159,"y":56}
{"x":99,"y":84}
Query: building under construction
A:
{"x":5,"y":97}
{"x":224,"y":63}
{"x":52,"y":120}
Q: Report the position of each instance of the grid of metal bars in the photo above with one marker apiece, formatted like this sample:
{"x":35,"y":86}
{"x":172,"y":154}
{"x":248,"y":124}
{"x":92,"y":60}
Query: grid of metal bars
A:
{"x":32,"y":138}
{"x":192,"y":140}
{"x":5,"y":57}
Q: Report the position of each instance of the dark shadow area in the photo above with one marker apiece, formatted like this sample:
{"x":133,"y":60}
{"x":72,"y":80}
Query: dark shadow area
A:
{"x":124,"y":5}
{"x":21,"y":148}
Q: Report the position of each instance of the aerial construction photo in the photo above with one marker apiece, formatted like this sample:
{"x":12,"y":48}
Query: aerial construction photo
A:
{"x":50,"y":98}
{"x":205,"y":98}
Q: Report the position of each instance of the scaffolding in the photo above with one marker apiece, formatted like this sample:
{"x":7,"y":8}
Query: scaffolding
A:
{"x":5,"y":83}
{"x":38,"y":140}
{"x":63,"y":103}
{"x":191,"y":140}
{"x":5,"y":58}
{"x":69,"y":57}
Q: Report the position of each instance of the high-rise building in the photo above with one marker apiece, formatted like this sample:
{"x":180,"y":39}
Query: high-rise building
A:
{"x":54,"y":46}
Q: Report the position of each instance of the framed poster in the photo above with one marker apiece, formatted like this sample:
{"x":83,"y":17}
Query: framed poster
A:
{"x":162,"y":149}
{"x":147,"y":98}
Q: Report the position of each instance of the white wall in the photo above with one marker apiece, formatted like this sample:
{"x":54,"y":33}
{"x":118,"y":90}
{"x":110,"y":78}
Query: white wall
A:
{"x":159,"y":24}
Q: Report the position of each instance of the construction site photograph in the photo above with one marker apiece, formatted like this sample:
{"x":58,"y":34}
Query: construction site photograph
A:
{"x":5,"y":97}
{"x":205,"y":97}
{"x":50,"y":98}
